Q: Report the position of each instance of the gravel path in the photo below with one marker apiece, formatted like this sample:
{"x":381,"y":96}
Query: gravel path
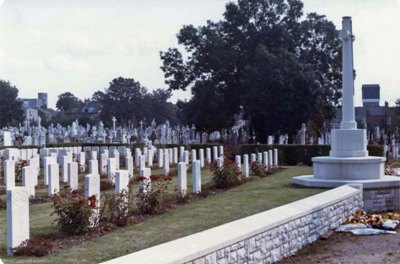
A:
{"x":348,"y":248}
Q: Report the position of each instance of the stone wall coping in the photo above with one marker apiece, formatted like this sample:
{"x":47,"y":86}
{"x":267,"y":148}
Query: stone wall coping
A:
{"x":200,"y":244}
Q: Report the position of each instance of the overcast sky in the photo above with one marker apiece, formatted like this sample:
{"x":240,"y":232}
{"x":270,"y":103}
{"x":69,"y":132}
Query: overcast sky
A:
{"x":81,"y":45}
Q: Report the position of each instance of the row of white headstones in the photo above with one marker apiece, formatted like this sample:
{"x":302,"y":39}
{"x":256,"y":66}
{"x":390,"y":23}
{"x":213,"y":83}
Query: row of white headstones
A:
{"x":53,"y":159}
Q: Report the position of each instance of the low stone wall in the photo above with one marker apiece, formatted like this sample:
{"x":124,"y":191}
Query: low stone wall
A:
{"x":261,"y":238}
{"x":382,"y":199}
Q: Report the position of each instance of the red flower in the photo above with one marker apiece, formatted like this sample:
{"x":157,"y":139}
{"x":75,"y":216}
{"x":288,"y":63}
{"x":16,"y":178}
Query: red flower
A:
{"x":66,"y":186}
{"x":142,"y":178}
{"x":168,"y":178}
{"x":155,"y":177}
{"x":75,"y":195}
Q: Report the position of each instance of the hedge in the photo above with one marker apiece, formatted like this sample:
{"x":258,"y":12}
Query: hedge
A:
{"x":300,"y":154}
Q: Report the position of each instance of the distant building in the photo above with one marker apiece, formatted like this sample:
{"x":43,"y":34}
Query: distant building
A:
{"x":33,"y":107}
{"x":34,"y":103}
{"x":371,"y":115}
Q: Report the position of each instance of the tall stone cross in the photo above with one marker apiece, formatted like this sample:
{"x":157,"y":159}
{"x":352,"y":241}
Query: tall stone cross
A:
{"x":347,"y":37}
{"x":114,"y":120}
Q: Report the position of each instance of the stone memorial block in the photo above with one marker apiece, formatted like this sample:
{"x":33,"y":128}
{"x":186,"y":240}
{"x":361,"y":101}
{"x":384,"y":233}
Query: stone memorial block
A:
{"x":93,"y":155}
{"x":82,"y":162}
{"x":9,"y":174}
{"x":186,"y":157}
{"x":201,"y":157}
{"x":17,"y":217}
{"x":253,"y":158}
{"x":196,"y":176}
{"x":259,"y":157}
{"x":265,"y":159}
{"x":238,"y":162}
{"x":7,"y":139}
{"x":221,"y":151}
{"x":245,"y":170}
{"x":270,"y":157}
{"x":111,"y":169}
{"x":145,"y":150}
{"x":93,"y":167}
{"x":181,"y":153}
{"x":64,"y":167}
{"x":73,"y":181}
{"x":208,"y":155}
{"x":182,"y":178}
{"x":117,"y":160}
{"x":194,"y":156}
{"x":215,"y":153}
{"x":160,"y":158}
{"x":121,"y":181}
{"x":28,"y":180}
{"x":103,"y":163}
{"x":142,"y":162}
{"x":175,"y":160}
{"x":150,"y":158}
{"x":166,"y":163}
{"x":92,"y":187}
{"x":54,"y":179}
{"x":129,"y":166}
{"x":138,"y":153}
{"x":33,"y":163}
{"x":171,"y":155}
{"x":220,"y":162}
{"x":276,"y":158}
{"x":145,"y":185}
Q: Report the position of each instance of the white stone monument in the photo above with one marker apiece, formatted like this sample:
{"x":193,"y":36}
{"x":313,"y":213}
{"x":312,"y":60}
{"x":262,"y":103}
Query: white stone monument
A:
{"x":17,"y":217}
{"x":348,"y":160}
{"x":196,"y":176}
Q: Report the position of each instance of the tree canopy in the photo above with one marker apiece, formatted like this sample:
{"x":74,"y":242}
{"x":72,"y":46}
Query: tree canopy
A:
{"x":67,"y":101}
{"x":10,"y":107}
{"x":262,"y":59}
{"x":129,"y":101}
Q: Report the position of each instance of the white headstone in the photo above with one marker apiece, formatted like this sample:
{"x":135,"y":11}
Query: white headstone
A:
{"x":196,"y":177}
{"x":265,"y":159}
{"x":160,"y":158}
{"x":145,"y":185}
{"x":103,"y":163}
{"x":92,"y":187}
{"x":253,"y":158}
{"x":182,"y":178}
{"x":270,"y":157}
{"x":17,"y":217}
{"x":121,"y":181}
{"x":194,"y":156}
{"x":54,"y":179}
{"x":111,"y":169}
{"x":175,"y":161}
{"x":201,"y":157}
{"x":238,"y":162}
{"x":215,"y":152}
{"x":186,"y":157}
{"x":129,"y":166}
{"x":93,"y":167}
{"x":9,"y":174}
{"x":166,"y":163}
{"x":64,"y":167}
{"x":28,"y":180}
{"x":181,"y":153}
{"x":47,"y":162}
{"x":245,"y":170}
{"x":208,"y":155}
{"x":276,"y":157}
{"x":82,"y":161}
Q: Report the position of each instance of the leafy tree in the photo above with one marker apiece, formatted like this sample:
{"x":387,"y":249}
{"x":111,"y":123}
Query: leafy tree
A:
{"x":67,"y":101}
{"x":261,"y":59}
{"x":11,"y":112}
{"x":128,"y":100}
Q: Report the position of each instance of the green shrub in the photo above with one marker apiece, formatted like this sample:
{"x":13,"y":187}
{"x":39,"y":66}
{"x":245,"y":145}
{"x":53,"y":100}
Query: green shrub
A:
{"x":152,"y":194}
{"x":73,"y":212}
{"x":257,"y":169}
{"x":227,"y":177}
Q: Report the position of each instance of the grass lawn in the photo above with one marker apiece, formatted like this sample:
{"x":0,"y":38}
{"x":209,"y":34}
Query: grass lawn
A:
{"x":253,"y":197}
